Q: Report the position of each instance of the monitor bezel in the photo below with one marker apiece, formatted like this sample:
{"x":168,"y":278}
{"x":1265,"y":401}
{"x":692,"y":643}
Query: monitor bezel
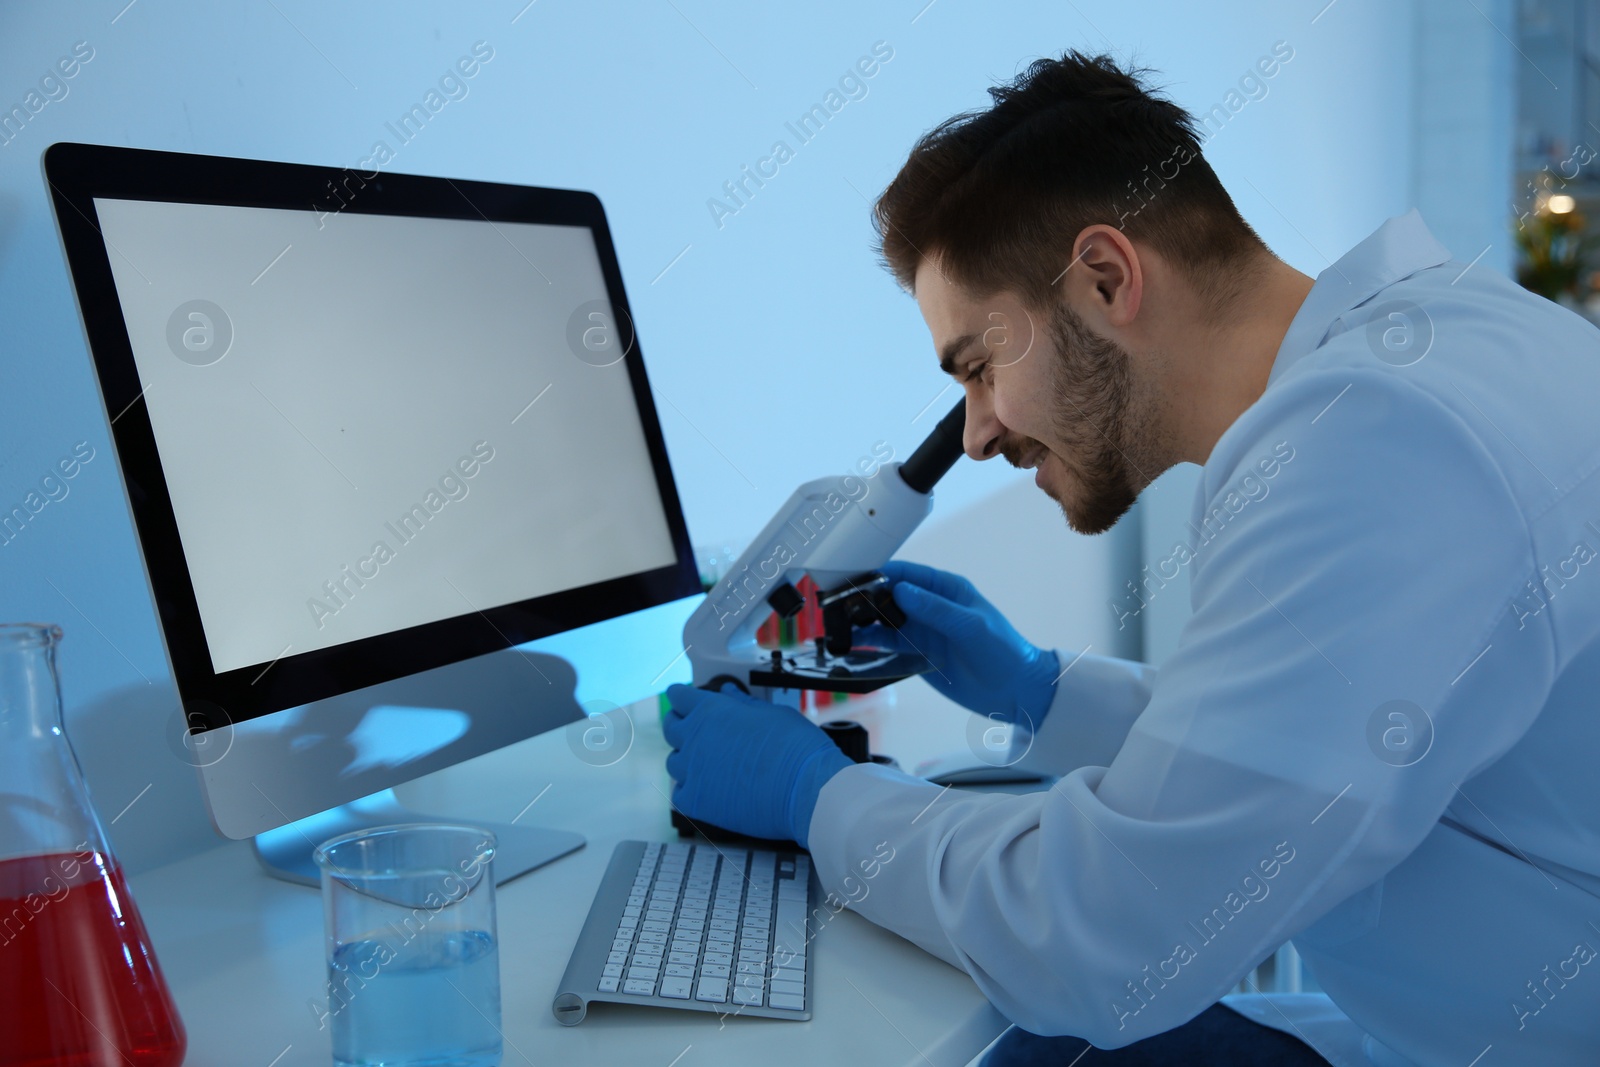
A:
{"x":77,"y":174}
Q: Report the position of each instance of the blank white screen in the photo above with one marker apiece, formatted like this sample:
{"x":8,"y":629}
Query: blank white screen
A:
{"x":370,"y":355}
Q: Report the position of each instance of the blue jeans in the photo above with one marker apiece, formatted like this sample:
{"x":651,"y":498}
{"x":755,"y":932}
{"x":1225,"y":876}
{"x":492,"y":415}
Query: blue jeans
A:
{"x":1217,"y":1037}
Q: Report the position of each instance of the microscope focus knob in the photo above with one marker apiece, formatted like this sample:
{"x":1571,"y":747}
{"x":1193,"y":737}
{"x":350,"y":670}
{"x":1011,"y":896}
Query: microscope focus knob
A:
{"x":786,"y":601}
{"x":850,"y":736}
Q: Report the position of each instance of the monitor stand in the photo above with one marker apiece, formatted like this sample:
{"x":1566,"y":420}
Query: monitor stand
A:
{"x":285,"y":852}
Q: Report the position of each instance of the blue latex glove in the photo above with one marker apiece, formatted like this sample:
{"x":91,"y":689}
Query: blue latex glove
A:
{"x":745,"y":764}
{"x":982,"y":663}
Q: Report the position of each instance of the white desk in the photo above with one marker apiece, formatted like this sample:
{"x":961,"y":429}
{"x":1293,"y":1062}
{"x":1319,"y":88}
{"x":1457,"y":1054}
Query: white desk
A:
{"x":243,"y":952}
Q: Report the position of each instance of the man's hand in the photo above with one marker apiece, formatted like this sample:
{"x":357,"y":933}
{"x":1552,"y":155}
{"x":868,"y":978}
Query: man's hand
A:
{"x":981,"y":662}
{"x":747,"y":765}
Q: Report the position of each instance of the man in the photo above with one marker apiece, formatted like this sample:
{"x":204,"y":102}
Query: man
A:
{"x":1378,"y":734}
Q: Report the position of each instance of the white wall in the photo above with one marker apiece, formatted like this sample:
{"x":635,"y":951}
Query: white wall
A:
{"x":1462,"y":122}
{"x":779,"y":349}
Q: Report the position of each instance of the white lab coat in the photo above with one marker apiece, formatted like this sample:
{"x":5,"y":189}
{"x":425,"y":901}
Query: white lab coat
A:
{"x":1429,"y":534}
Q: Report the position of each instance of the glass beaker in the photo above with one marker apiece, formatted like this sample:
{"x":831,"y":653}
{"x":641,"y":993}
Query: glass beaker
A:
{"x":413,"y":957}
{"x":79,"y":982}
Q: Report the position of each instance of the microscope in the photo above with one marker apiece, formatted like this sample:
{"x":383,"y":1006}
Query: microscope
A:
{"x":838,"y":531}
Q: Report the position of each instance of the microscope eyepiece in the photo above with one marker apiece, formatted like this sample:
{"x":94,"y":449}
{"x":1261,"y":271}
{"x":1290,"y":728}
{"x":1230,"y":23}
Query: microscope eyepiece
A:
{"x":938,"y":453}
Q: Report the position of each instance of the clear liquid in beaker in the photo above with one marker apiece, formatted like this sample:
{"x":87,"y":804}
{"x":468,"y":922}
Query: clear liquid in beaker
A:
{"x":440,"y":993}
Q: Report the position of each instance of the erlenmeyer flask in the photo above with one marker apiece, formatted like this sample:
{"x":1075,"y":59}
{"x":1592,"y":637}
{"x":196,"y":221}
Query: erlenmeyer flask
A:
{"x":79,"y":983}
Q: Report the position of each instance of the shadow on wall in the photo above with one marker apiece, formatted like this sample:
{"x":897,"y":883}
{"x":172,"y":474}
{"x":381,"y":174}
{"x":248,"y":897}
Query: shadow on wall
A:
{"x":147,"y":795}
{"x":142,"y":772}
{"x":1054,"y":584}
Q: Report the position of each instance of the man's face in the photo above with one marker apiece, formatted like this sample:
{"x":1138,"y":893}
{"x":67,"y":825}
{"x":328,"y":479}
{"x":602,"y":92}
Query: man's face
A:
{"x":1046,"y":393}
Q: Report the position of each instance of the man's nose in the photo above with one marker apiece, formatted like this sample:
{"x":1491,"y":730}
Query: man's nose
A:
{"x":981,"y":435}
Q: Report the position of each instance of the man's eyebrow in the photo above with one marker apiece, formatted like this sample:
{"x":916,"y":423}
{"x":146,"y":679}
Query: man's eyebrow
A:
{"x":952,"y":352}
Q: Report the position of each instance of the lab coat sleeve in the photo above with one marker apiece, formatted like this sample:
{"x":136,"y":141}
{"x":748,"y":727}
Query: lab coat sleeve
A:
{"x":1097,"y":700}
{"x":1265,"y":784}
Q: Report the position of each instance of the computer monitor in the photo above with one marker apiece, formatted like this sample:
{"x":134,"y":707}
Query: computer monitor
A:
{"x":379,"y":434}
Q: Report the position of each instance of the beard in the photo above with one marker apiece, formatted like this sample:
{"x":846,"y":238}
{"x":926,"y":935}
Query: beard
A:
{"x":1101,"y":437}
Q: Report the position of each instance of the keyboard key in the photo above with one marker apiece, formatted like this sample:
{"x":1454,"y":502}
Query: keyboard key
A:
{"x":794,"y":989}
{"x":791,"y":911}
{"x":786,"y":1001}
{"x":714,"y":970}
{"x":788,"y":961}
{"x":609,"y":985}
{"x":638,"y":988}
{"x":788,"y":940}
{"x":643,"y":974}
{"x":657,"y":926}
{"x":784,"y":974}
{"x":648,"y":938}
{"x":686,"y":946}
{"x":754,"y":967}
{"x":676,"y":988}
{"x":612,"y":970}
{"x":617,"y":957}
{"x":680,"y":970}
{"x":747,"y":995}
{"x":687,"y":959}
{"x":719,"y":957}
{"x":714,"y":990}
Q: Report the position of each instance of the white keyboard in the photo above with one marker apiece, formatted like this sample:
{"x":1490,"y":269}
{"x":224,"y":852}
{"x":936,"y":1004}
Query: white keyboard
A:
{"x":699,"y":926}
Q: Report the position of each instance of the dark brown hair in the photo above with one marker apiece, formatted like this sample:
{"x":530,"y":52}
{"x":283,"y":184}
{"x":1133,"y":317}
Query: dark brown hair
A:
{"x":997,"y":197}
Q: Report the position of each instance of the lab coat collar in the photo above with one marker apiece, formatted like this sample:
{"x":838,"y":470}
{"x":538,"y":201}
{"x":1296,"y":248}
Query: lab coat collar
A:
{"x":1397,"y":249}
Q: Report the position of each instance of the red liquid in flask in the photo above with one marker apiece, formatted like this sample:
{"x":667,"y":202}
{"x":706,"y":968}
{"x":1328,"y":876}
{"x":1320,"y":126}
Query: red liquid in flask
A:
{"x":78,"y":985}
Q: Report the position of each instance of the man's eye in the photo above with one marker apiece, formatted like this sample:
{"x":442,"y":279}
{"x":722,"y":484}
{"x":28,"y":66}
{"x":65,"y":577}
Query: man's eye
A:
{"x":976,"y":372}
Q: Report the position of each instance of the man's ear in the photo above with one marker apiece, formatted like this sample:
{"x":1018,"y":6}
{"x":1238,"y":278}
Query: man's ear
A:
{"x":1109,"y":276}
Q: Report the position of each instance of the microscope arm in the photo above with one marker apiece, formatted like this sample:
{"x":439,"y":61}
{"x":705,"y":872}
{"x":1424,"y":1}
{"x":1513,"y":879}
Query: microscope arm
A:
{"x":834,"y":530}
